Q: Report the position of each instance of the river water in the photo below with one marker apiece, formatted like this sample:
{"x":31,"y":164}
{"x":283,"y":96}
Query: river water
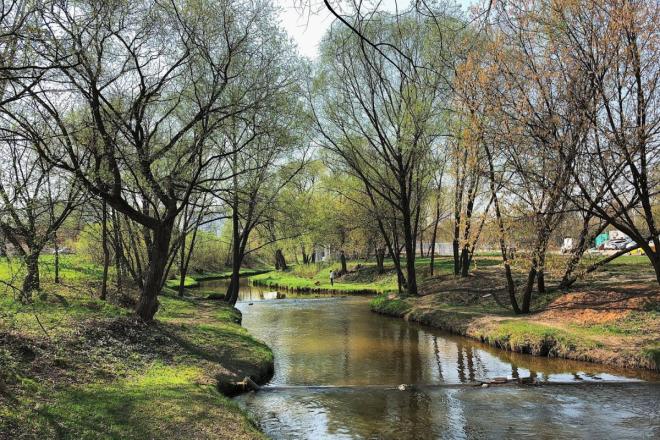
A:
{"x":338,"y":367}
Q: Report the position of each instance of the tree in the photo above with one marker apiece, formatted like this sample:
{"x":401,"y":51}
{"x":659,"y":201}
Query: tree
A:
{"x":145,"y":89}
{"x":35,"y":199}
{"x":616,"y":43}
{"x":380,"y":124}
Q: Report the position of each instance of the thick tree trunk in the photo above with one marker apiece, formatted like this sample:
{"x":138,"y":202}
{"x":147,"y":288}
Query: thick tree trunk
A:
{"x":234,"y":284}
{"x":280,"y":261}
{"x":409,"y":237}
{"x":380,"y":260}
{"x":31,"y":281}
{"x":465,"y":261}
{"x":106,"y":251}
{"x":540,"y":277}
{"x":527,"y":294}
{"x":147,"y":305}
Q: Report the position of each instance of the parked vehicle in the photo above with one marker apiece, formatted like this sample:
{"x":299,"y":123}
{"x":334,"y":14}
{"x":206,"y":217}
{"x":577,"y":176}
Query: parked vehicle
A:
{"x":613,"y":245}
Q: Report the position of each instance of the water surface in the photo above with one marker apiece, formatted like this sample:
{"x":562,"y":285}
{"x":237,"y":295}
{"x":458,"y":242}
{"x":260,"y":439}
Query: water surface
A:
{"x":337,"y":368}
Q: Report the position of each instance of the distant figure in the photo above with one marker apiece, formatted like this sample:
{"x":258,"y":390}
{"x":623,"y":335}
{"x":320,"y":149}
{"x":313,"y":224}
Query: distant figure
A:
{"x":332,"y":277}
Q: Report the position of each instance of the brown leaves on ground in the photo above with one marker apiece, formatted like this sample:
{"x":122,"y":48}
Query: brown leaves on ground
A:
{"x":600,"y":306}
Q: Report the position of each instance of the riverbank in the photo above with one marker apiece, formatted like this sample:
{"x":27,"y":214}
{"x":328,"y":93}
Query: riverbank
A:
{"x":610,"y":323}
{"x":362,"y":277}
{"x":194,"y":280}
{"x":72,"y":366}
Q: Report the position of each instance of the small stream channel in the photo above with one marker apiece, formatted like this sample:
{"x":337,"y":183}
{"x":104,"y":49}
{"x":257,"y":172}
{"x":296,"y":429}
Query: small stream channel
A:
{"x":338,"y":365}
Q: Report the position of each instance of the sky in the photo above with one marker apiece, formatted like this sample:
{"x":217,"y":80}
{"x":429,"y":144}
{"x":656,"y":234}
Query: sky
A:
{"x":307,"y":28}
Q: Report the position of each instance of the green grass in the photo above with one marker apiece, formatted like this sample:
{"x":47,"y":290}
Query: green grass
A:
{"x":393,"y":307}
{"x":162,"y":402}
{"x":529,"y":337}
{"x":73,"y":366}
{"x":72,"y":268}
{"x":193,"y":281}
{"x":315,"y":277}
{"x":188,"y":282}
{"x":321,"y":283}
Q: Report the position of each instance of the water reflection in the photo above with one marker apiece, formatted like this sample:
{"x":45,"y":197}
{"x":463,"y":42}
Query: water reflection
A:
{"x":563,"y":411}
{"x":339,"y":342}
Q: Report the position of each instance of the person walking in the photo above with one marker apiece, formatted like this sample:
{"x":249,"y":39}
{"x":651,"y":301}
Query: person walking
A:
{"x":332,"y":277}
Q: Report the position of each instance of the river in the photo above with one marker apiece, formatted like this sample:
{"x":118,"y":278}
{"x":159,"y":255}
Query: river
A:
{"x":338,"y":367}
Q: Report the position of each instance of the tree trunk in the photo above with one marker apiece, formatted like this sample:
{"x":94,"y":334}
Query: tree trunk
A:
{"x":31,"y":281}
{"x":380,"y":260}
{"x":106,"y":251}
{"x":511,"y":287}
{"x":434,"y":235}
{"x":540,"y":277}
{"x":342,"y":259}
{"x":232,"y":290}
{"x":465,"y":261}
{"x":409,"y":237}
{"x":118,"y":249}
{"x":280,"y":261}
{"x":57,"y":259}
{"x":147,"y":305}
{"x":182,"y":264}
{"x":457,"y":265}
{"x":527,"y":294}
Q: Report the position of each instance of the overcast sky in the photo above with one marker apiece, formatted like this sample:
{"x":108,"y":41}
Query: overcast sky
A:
{"x":307,"y":28}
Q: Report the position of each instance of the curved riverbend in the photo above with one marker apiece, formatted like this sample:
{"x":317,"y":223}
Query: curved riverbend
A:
{"x":337,"y":368}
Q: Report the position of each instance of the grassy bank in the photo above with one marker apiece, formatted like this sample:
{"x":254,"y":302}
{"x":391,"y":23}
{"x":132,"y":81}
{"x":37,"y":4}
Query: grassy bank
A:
{"x":72,"y":366}
{"x":613,"y":317}
{"x":194,"y":280}
{"x":362,"y":276}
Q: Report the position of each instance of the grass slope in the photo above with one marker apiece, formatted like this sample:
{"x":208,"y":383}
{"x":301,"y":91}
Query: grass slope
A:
{"x":72,"y":366}
{"x":612,"y":317}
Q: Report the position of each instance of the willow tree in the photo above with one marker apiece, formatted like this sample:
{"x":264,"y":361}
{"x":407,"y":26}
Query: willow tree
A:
{"x":138,"y":90}
{"x":618,"y":44}
{"x":378,"y":115}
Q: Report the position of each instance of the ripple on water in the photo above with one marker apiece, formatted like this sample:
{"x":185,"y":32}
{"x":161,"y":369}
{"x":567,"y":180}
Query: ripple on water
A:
{"x":340,"y":342}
